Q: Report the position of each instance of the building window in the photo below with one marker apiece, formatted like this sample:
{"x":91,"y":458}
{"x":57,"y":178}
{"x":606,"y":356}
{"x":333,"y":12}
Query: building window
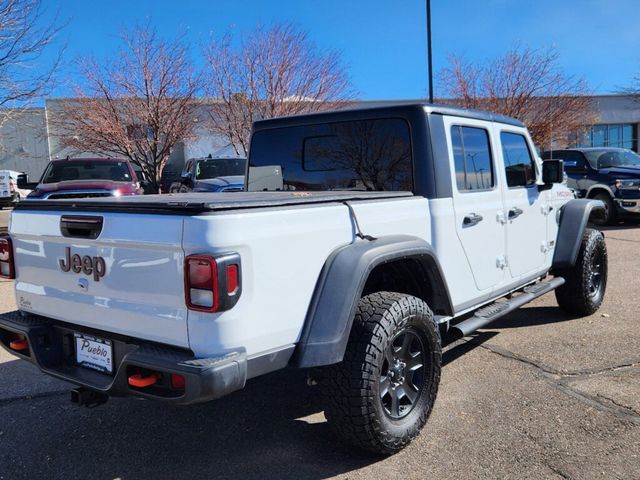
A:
{"x":609,"y":135}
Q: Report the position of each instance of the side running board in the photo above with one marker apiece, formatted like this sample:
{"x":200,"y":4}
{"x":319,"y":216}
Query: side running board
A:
{"x":485,"y":315}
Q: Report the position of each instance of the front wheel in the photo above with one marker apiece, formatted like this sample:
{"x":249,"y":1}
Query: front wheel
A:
{"x":382,"y":393}
{"x":585,"y":283}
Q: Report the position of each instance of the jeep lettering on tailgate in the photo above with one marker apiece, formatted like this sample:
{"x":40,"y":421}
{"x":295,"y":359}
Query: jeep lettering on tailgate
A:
{"x":95,"y":266}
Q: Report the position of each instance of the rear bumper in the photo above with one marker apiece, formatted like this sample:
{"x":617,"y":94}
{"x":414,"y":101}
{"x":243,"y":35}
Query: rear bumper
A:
{"x":51,"y":348}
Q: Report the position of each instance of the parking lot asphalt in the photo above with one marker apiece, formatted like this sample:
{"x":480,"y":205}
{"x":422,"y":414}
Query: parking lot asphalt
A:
{"x":537,"y":395}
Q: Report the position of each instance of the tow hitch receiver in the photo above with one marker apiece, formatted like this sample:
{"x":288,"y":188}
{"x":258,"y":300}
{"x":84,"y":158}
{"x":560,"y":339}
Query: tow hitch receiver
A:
{"x":83,"y":397}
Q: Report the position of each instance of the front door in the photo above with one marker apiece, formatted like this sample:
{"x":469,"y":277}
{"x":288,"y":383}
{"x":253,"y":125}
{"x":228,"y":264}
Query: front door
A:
{"x":526,"y":206}
{"x":477,"y":200}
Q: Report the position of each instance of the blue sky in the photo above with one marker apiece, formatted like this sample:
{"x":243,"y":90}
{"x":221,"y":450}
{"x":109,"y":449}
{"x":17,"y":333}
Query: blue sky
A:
{"x":384,"y":42}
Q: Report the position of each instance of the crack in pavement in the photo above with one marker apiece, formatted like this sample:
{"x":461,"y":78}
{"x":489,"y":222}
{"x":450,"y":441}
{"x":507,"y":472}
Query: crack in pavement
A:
{"x":553,"y":371}
{"x":558,"y":472}
{"x":631,"y":410}
{"x":622,"y":239}
{"x":562,"y":380}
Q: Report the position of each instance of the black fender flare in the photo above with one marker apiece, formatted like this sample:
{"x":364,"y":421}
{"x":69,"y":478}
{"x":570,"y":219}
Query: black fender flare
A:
{"x":339,"y":288}
{"x":574,"y":217}
{"x":599,"y":186}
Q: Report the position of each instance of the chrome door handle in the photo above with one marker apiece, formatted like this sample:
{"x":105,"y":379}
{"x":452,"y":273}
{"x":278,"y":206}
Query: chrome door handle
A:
{"x":515,"y":212}
{"x":471,"y":220}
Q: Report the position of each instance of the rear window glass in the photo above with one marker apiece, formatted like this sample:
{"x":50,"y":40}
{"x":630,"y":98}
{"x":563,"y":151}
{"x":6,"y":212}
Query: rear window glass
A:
{"x":219,"y":167}
{"x":358,"y":155}
{"x":86,"y":170}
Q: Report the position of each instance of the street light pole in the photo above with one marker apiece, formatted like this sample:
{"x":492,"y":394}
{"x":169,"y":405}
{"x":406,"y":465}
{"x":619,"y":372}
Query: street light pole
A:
{"x":430,"y":63}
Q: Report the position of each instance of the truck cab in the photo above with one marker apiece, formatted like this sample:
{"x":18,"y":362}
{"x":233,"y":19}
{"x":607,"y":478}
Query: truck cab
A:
{"x":611,"y":175}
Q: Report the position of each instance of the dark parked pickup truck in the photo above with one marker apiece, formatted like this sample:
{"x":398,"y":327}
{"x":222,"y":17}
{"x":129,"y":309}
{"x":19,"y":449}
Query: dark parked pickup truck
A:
{"x":87,"y":177}
{"x":608,"y":174}
{"x":211,"y":174}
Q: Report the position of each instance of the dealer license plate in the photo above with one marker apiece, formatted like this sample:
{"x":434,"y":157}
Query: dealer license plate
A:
{"x":94,"y":352}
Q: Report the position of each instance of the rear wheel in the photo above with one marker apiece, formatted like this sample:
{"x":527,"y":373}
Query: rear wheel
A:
{"x":381,"y":395}
{"x":585,"y":283}
{"x":609,"y":216}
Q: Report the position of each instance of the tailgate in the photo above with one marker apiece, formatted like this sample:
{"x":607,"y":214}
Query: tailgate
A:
{"x":128,"y":279}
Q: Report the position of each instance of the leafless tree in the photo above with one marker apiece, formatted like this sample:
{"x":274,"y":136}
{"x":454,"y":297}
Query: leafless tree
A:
{"x":526,"y":84}
{"x":272,"y":72}
{"x":139,"y":104}
{"x":24,"y":37}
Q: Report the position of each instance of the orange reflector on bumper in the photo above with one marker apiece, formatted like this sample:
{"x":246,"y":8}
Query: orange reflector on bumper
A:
{"x":19,"y":345}
{"x":140,"y":381}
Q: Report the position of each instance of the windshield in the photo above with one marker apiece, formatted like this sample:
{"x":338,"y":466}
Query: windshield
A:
{"x":612,"y":158}
{"x":86,"y":170}
{"x":219,"y":167}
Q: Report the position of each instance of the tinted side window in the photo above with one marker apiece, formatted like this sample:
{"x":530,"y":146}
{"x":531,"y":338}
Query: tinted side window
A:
{"x":472,"y":158}
{"x":518,"y":162}
{"x":572,"y":160}
{"x":356,"y":155}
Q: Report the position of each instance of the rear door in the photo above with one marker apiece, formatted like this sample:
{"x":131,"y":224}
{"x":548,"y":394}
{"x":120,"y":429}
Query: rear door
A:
{"x":526,"y":207}
{"x":128,"y":279}
{"x":477,"y":199}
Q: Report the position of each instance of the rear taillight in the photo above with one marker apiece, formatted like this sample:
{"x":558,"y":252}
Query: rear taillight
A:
{"x":7,"y":269}
{"x":201,"y":278}
{"x":12,"y":187}
{"x":232,"y":279}
{"x":212,"y":284}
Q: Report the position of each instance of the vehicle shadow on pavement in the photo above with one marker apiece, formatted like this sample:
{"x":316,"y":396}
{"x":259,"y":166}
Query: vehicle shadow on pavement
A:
{"x":453,"y":349}
{"x":531,"y":317}
{"x":273,"y":428}
{"x":626,"y":225}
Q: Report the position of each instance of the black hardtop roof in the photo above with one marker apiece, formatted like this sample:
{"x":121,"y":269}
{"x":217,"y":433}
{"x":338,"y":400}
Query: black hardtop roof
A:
{"x":586,"y":149}
{"x":380,"y":110}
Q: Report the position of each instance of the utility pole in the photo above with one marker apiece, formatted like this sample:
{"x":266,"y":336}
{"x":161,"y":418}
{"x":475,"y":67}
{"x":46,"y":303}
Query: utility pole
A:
{"x":430,"y":62}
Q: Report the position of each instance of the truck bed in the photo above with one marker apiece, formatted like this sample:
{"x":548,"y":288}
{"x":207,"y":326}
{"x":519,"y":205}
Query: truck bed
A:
{"x":195,"y":203}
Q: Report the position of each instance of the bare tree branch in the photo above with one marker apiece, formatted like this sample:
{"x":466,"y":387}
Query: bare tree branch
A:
{"x":273,"y":72}
{"x":525,"y":84}
{"x":139,"y":105}
{"x":23,"y":40}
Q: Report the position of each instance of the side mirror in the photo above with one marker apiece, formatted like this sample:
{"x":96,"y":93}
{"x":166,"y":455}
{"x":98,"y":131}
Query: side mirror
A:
{"x":186,"y":177}
{"x":552,"y":171}
{"x":23,"y":182}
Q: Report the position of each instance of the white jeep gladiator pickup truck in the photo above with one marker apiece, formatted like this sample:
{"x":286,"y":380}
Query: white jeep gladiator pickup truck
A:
{"x":393,"y":226}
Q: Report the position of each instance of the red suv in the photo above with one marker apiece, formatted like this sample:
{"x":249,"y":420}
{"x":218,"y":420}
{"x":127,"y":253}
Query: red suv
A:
{"x":87,"y":177}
